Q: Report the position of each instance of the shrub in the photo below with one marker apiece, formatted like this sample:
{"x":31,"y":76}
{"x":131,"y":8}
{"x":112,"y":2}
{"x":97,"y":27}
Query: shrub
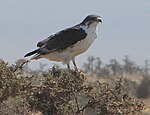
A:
{"x":61,"y":93}
{"x":143,"y":91}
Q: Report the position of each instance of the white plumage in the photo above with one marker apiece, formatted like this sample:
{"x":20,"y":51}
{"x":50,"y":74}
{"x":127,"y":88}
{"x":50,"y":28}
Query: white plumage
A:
{"x":73,"y":41}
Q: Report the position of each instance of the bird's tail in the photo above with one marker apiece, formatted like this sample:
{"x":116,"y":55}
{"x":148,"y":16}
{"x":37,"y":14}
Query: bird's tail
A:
{"x":31,"y":53}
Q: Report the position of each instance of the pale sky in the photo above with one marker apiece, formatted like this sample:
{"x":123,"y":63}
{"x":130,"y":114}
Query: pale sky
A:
{"x":125,"y":29}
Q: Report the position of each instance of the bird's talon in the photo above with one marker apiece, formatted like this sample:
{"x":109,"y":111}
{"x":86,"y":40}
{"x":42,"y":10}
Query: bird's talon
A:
{"x":82,"y":74}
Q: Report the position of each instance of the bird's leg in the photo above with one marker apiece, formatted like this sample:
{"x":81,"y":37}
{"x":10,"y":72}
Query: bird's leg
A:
{"x":68,"y":66}
{"x":76,"y":69}
{"x":75,"y":66}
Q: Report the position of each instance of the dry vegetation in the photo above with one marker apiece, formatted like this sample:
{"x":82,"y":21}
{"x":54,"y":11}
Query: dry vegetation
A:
{"x":57,"y":92}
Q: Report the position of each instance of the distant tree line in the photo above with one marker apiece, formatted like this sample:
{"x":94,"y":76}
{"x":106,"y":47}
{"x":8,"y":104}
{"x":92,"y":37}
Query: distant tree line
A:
{"x":95,"y":67}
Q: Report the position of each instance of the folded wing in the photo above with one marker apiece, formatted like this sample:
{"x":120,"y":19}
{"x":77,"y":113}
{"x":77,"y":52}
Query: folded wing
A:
{"x":61,"y":40}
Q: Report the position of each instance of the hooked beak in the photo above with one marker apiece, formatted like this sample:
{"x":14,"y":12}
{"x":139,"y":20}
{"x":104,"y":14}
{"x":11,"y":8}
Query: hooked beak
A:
{"x":99,"y":19}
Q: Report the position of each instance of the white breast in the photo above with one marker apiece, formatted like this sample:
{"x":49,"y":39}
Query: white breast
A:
{"x":83,"y":45}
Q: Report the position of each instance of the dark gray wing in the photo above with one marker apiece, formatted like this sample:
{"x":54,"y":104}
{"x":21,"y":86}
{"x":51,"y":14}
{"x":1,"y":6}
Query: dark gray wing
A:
{"x":62,"y":40}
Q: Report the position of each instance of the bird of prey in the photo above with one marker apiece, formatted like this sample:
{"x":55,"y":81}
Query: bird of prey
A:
{"x":65,"y":45}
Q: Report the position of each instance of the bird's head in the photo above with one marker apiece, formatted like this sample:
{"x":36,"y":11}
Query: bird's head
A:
{"x":92,"y":20}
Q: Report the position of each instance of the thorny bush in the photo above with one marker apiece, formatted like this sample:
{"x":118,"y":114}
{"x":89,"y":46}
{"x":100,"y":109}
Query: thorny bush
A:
{"x":61,"y":93}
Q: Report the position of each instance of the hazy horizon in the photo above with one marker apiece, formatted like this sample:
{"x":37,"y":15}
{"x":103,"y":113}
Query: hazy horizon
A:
{"x":125,"y":29}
